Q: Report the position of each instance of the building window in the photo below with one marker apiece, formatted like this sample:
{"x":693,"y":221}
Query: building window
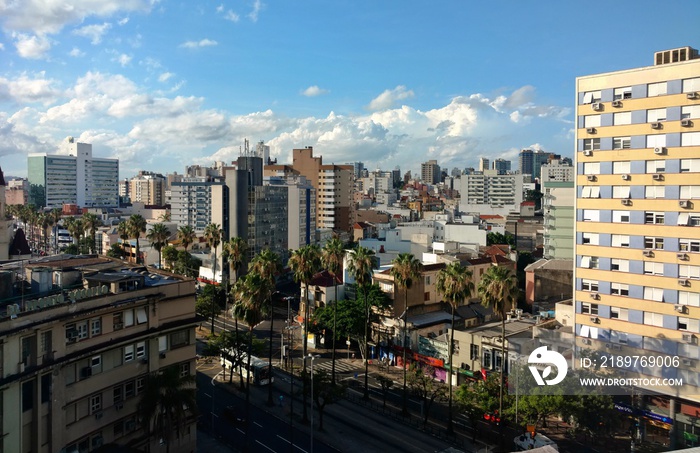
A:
{"x":617,"y":264}
{"x":621,"y":168}
{"x":654,"y":191}
{"x":619,"y":289}
{"x":690,"y":139}
{"x":486,"y":362}
{"x":620,"y":240}
{"x":655,"y":115}
{"x":654,"y":217}
{"x":688,"y":324}
{"x":688,"y":298}
{"x":687,"y":271}
{"x":656,"y":166}
{"x":589,"y":309}
{"x":591,"y":215}
{"x":95,"y":327}
{"x":474,"y":352}
{"x":652,"y":268}
{"x":621,"y":216}
{"x":591,"y":144}
{"x":655,"y":294}
{"x":129,"y":389}
{"x":589,"y":262}
{"x":653,"y":319}
{"x":141,"y":317}
{"x":690,"y":112}
{"x":689,"y":245}
{"x":140,"y":382}
{"x":589,"y":285}
{"x":590,"y":192}
{"x":690,"y":165}
{"x":140,"y":350}
{"x":591,"y":168}
{"x":117,"y":321}
{"x":590,"y":238}
{"x":621,"y":191}
{"x":690,"y":192}
{"x":117,"y":393}
{"x":651,"y":242}
{"x":128,"y":353}
{"x":128,"y":318}
{"x":618,"y":313}
{"x":590,"y":97}
{"x":622,"y":118}
{"x":591,"y":121}
{"x":656,"y":89}
{"x":622,"y":142}
{"x":185,"y":369}
{"x":179,"y":339}
{"x":622,"y":93}
{"x":656,"y":141}
{"x":95,"y":403}
{"x":691,"y":85}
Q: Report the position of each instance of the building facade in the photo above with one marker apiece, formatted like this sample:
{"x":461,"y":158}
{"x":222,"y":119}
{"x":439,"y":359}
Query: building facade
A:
{"x":147,"y":188}
{"x":430,"y":172}
{"x":77,"y":352}
{"x":558,"y":205}
{"x":637,"y":249}
{"x":191,"y":202}
{"x":491,"y":188}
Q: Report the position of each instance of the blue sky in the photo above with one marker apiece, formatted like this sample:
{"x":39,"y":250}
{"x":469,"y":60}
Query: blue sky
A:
{"x":164,"y":84}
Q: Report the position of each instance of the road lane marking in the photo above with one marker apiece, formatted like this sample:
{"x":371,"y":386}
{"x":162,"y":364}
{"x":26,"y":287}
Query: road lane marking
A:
{"x":257,"y":424}
{"x":207,"y":395}
{"x":257,"y":441}
{"x":283,"y":438}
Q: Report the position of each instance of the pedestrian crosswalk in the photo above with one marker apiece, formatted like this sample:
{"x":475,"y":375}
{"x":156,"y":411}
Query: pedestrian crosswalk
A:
{"x":341,"y":366}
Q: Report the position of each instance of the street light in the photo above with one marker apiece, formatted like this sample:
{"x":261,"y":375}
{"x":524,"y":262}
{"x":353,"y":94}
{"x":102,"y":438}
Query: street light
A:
{"x":311,"y":402}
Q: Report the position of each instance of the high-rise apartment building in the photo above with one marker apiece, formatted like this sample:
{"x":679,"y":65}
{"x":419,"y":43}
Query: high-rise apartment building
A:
{"x":191,"y":202}
{"x":147,"y":188}
{"x":526,"y":162}
{"x":637,"y":245}
{"x":76,"y":178}
{"x":484,"y":164}
{"x":77,"y":350}
{"x":558,"y":206}
{"x":501,"y":166}
{"x":557,"y":170}
{"x":491,"y":188}
{"x":430,"y":172}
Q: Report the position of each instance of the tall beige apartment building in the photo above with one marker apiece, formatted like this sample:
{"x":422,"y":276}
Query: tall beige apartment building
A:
{"x":148,"y":188}
{"x":75,"y":352}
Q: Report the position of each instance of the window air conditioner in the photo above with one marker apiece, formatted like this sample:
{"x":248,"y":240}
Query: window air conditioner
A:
{"x":590,"y":130}
{"x":626,"y":202}
{"x":608,"y":345}
{"x":660,"y":150}
{"x":617,"y":103}
{"x":692,"y":96}
{"x":683,"y":256}
{"x":688,"y":338}
{"x":591,"y":177}
{"x":98,"y":415}
{"x":683,"y":282}
{"x":656,"y":125}
{"x":586,"y":341}
{"x":687,"y":362}
{"x":594,"y":319}
{"x":595,"y":296}
{"x":657,"y":177}
{"x":684,"y":203}
{"x":626,"y":177}
{"x":588,"y":153}
{"x":617,"y":347}
{"x":686,"y":123}
{"x":680,"y":308}
{"x":648,"y":253}
{"x":597,"y":106}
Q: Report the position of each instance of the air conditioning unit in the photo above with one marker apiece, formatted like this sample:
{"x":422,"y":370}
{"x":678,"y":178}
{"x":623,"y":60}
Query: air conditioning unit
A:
{"x":590,"y":130}
{"x":162,"y":355}
{"x":118,"y":326}
{"x":616,"y":347}
{"x":597,"y":106}
{"x":119,"y":406}
{"x":686,"y":123}
{"x":595,"y":319}
{"x":692,"y":96}
{"x":660,"y":150}
{"x":683,"y":256}
{"x":586,"y":341}
{"x":595,"y":296}
{"x":588,"y":153}
{"x":626,"y":177}
{"x":684,"y":203}
{"x":608,"y":345}
{"x":684,"y":282}
{"x":591,"y":177}
{"x":689,"y":338}
{"x":617,"y":103}
{"x":626,"y":202}
{"x":657,"y":125}
{"x":679,"y":308}
{"x":648,"y":253}
{"x":657,"y":177}
{"x":687,"y":362}
{"x":98,"y":415}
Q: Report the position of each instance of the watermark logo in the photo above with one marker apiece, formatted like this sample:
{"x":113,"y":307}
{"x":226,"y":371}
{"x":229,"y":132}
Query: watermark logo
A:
{"x":541,"y":356}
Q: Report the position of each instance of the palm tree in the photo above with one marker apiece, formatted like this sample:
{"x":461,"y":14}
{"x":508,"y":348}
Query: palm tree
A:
{"x":76,"y":229}
{"x":212,"y":234}
{"x":123,"y":231}
{"x":56,"y":214}
{"x":44,"y":221}
{"x":455,"y":283}
{"x":90,"y":223}
{"x":233,"y":252}
{"x":167,"y":402}
{"x":250,"y":294}
{"x":267,"y":265}
{"x":158,"y":236}
{"x":304,"y":263}
{"x":137,"y":225}
{"x":405,"y":270}
{"x":186,"y":235}
{"x":332,"y":259}
{"x":498,"y":290}
{"x":360,"y":267}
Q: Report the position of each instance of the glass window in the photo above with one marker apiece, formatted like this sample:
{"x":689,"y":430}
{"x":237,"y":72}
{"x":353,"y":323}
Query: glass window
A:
{"x":128,"y":353}
{"x":656,"y":166}
{"x":656,"y":243}
{"x":688,"y":271}
{"x":95,"y":327}
{"x":619,"y":289}
{"x":591,"y":121}
{"x":653,"y":319}
{"x":622,"y":118}
{"x":690,"y":139}
{"x":622,"y":93}
{"x":690,"y":192}
{"x":655,"y":115}
{"x":621,"y":216}
{"x":655,"y":294}
{"x":622,"y":142}
{"x":689,"y":245}
{"x":95,"y":403}
{"x":621,"y":192}
{"x":620,"y":240}
{"x":654,"y":191}
{"x":621,"y":265}
{"x":656,"y":89}
{"x":690,"y":165}
{"x":656,"y":141}
{"x":688,"y":298}
{"x":591,"y":238}
{"x":619,"y":313}
{"x":591,"y":144}
{"x":140,"y":350}
{"x":589,"y":285}
{"x":690,"y":112}
{"x":590,"y":97}
{"x":654,"y":217}
{"x":691,"y":85}
{"x":652,"y":268}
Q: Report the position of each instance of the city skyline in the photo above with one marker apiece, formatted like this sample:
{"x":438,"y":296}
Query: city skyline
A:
{"x":162,"y":85}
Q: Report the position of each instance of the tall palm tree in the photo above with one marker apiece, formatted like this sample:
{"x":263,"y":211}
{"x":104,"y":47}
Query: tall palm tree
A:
{"x":360,"y":266}
{"x":498,"y":290}
{"x":158,"y":235}
{"x":455,"y":283}
{"x":44,"y":221}
{"x":75,"y":227}
{"x":405,"y":270}
{"x":137,"y":225}
{"x":90,"y":223}
{"x":304,"y":263}
{"x":212,"y":234}
{"x":123,"y":232}
{"x":250,"y":294}
{"x":56,"y":214}
{"x":186,"y":235}
{"x":234,"y":252}
{"x":267,"y":265}
{"x":332,"y":259}
{"x":167,"y":401}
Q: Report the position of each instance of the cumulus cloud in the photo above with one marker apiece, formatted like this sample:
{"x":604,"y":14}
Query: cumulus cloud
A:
{"x":25,"y":89}
{"x":76,"y":53}
{"x":231,"y":16}
{"x":33,"y":47}
{"x":197,"y":44}
{"x":93,"y":32}
{"x":164,"y":77}
{"x":389,"y":98}
{"x":257,"y":6}
{"x":123,"y":59}
{"x":123,"y":21}
{"x":314,"y":90}
{"x":2,"y":46}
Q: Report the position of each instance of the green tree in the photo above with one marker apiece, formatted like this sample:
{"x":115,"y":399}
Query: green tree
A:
{"x":158,"y":235}
{"x":304,"y":263}
{"x":425,"y":387}
{"x":234,"y":252}
{"x":332,"y":259}
{"x":115,"y":251}
{"x":136,"y":225}
{"x":405,"y":269}
{"x":187,"y":264}
{"x":360,"y":266}
{"x":76,"y":229}
{"x":90,"y":223}
{"x":233,"y":346}
{"x":212,"y":234}
{"x":56,"y":214}
{"x":386,"y":384}
{"x":169,"y":255}
{"x":123,"y":232}
{"x":455,"y":283}
{"x":186,"y":235}
{"x":210,"y":301}
{"x":168,"y":402}
{"x":325,"y":392}
{"x":498,"y":290}
{"x":499,"y":238}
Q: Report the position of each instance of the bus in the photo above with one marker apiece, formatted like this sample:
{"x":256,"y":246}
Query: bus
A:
{"x":260,"y":368}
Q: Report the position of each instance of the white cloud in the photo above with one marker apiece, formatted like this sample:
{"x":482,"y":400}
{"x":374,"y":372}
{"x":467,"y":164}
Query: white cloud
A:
{"x":389,"y":97}
{"x":2,"y":46}
{"x":123,"y":22}
{"x":93,"y":32}
{"x":75,"y":52}
{"x":164,"y":77}
{"x":123,"y":59}
{"x":231,"y":16}
{"x":49,"y":17}
{"x":33,"y":47}
{"x":197,"y":44}
{"x":25,"y":89}
{"x":257,"y":6}
{"x":220,"y":8}
{"x":314,"y":90}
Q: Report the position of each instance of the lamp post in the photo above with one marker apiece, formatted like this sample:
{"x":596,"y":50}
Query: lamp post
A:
{"x":311,"y":402}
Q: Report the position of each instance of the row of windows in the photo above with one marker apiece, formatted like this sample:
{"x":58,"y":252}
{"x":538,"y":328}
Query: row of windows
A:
{"x":642,"y":267}
{"x":639,"y":217}
{"x":645,"y":292}
{"x":645,"y":242}
{"x":648,"y":318}
{"x":641,"y":141}
{"x":625,"y":167}
{"x":650,"y":90}
{"x":641,"y":116}
{"x":82,"y":330}
{"x":638,"y":192}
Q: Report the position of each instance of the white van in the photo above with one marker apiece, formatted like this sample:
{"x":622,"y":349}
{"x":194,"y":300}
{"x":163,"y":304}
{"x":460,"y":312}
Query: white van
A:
{"x":526,"y":442}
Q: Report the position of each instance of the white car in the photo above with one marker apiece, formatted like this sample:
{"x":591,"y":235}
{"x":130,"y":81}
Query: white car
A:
{"x":526,"y":442}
